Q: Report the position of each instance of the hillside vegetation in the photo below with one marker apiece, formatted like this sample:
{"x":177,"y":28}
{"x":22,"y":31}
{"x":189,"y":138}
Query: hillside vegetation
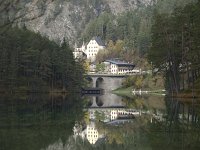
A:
{"x":32,"y":63}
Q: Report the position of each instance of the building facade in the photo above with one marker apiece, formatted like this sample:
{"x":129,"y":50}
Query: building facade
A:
{"x":93,"y":47}
{"x":117,"y":66}
{"x":90,"y":50}
{"x":79,"y":53}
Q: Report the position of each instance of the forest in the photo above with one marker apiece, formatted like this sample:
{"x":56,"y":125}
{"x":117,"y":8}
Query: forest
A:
{"x":32,"y":63}
{"x":175,"y":47}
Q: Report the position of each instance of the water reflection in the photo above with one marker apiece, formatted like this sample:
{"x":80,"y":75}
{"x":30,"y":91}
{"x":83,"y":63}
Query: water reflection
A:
{"x":70,"y":122}
{"x":154,"y":120}
{"x":115,"y":111}
{"x":106,"y":100}
{"x":34,"y":122}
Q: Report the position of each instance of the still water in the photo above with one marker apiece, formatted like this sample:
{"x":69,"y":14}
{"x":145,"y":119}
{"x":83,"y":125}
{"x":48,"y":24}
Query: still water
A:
{"x":74,"y":122}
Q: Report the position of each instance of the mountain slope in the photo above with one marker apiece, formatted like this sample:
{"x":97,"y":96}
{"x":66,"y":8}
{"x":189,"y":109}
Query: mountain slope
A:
{"x":61,"y":18}
{"x":57,"y":19}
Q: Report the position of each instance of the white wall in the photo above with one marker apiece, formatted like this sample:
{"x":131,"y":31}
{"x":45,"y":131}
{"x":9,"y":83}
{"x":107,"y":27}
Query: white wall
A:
{"x":92,"y":50}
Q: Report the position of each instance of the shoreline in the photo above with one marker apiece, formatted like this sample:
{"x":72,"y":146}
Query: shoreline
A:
{"x":183,"y":94}
{"x":51,"y":92}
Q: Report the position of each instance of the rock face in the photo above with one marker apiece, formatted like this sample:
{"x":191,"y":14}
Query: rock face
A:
{"x":119,"y":6}
{"x":57,"y":19}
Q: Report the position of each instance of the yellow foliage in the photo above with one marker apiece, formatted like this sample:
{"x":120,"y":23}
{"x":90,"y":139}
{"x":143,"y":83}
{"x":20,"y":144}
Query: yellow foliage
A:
{"x":119,"y":46}
{"x":86,"y":66}
{"x":139,"y":82}
{"x":110,"y":44}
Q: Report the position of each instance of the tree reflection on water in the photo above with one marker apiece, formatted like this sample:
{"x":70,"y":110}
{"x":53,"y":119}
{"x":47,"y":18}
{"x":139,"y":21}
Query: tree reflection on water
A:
{"x":66,"y":122}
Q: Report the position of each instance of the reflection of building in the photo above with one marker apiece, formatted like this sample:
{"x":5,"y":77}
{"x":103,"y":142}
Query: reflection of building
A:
{"x":117,"y":66}
{"x":115,"y":114}
{"x":92,"y":133}
{"x":90,"y":50}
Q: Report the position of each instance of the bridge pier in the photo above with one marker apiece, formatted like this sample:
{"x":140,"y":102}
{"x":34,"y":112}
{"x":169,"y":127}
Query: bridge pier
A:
{"x":94,"y":104}
{"x":94,"y":80}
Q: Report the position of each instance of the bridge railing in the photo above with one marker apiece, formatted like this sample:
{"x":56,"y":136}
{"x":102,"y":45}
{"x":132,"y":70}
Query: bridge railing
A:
{"x":119,"y":74}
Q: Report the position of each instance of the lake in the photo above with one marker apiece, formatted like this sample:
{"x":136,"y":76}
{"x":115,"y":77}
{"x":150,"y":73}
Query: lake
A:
{"x":74,"y":122}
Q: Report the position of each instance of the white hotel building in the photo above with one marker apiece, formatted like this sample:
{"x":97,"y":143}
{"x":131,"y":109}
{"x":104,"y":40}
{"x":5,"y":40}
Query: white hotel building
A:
{"x":90,"y":50}
{"x":93,"y":47}
{"x":116,"y":66}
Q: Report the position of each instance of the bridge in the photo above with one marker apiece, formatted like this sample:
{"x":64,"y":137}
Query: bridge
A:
{"x":107,"y":75}
{"x":108,"y":82}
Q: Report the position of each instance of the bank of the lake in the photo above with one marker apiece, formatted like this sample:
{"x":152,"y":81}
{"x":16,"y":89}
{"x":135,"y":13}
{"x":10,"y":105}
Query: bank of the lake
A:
{"x":153,"y":84}
{"x":129,"y":91}
{"x":158,"y":88}
{"x":187,"y":94}
{"x":26,"y":90}
{"x":192,"y":92}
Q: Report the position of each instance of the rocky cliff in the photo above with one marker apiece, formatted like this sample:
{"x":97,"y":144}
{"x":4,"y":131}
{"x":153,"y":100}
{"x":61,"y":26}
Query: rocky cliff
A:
{"x":57,"y":19}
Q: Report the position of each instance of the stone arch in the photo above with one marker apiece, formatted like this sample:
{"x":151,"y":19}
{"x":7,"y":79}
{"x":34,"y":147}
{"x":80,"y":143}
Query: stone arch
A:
{"x":99,"y":102}
{"x":99,"y":82}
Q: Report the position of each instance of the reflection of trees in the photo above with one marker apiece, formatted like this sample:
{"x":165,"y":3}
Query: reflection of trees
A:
{"x":145,"y":102}
{"x":33,"y":122}
{"x":180,"y":112}
{"x":181,"y":128}
{"x":120,"y":134}
{"x":86,"y":117}
{"x":137,"y":103}
{"x":99,"y":115}
{"x":88,"y":103}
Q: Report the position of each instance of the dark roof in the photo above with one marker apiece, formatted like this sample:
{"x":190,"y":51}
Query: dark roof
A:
{"x":120,"y":63}
{"x":98,"y":40}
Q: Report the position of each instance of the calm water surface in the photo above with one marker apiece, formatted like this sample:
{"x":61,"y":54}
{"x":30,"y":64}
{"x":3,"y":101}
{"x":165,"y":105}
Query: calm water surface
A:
{"x":72,"y":122}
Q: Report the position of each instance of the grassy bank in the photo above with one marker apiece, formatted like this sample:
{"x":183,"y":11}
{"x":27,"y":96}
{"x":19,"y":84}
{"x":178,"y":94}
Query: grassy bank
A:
{"x":128,"y":91}
{"x":124,"y":91}
{"x":154,"y":84}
